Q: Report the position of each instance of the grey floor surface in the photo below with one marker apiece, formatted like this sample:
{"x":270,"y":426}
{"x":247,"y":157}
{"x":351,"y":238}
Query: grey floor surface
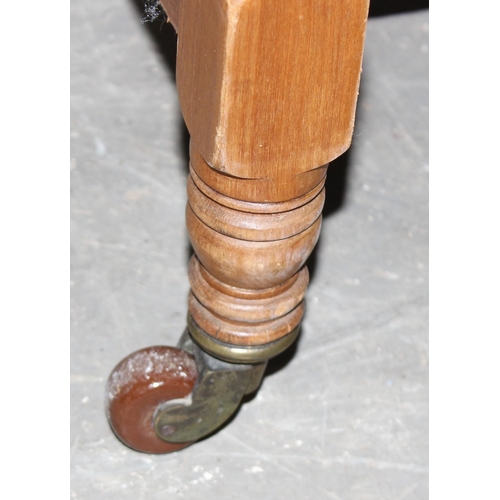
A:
{"x":344,"y":414}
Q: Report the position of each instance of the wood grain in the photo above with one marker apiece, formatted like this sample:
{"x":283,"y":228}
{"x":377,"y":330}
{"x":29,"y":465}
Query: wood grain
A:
{"x":248,"y":278}
{"x":266,"y":191}
{"x":243,"y":332}
{"x":254,"y":226}
{"x":249,"y":309}
{"x":267,"y":86}
{"x":250,"y":264}
{"x":268,"y":92}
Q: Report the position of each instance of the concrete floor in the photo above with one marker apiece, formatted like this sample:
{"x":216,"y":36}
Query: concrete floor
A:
{"x":344,"y":413}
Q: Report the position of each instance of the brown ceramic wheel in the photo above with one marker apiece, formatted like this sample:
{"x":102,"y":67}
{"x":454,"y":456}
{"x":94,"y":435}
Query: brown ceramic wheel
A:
{"x":135,"y":388}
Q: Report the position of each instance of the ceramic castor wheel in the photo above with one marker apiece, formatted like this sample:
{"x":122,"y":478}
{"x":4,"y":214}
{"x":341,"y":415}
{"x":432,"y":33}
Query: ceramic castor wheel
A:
{"x":141,"y":383}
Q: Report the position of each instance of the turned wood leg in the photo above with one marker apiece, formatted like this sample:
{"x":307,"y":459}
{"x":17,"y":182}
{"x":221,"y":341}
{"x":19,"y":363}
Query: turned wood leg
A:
{"x":248,"y":277}
{"x":268,"y":91}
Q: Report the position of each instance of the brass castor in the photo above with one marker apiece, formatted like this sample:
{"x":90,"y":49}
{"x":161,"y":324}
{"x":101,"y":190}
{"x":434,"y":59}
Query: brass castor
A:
{"x":162,"y":399}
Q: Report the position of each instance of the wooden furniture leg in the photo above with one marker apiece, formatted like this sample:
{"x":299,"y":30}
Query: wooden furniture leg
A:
{"x":268,"y":91}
